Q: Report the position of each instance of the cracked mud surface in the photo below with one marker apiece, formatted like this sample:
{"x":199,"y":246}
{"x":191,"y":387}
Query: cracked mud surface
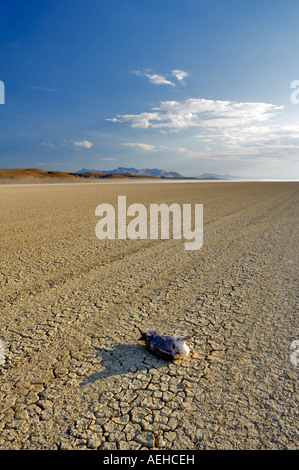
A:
{"x":75,"y":375}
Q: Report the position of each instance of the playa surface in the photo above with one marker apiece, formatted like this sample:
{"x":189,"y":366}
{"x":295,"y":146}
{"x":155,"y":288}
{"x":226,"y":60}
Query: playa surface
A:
{"x":75,"y":376}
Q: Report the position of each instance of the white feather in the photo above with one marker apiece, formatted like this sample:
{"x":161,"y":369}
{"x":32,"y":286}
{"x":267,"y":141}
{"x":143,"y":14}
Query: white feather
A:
{"x":181,"y":347}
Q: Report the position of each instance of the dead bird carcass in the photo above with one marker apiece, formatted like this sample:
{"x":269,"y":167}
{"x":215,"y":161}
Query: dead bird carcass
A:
{"x":165,"y":346}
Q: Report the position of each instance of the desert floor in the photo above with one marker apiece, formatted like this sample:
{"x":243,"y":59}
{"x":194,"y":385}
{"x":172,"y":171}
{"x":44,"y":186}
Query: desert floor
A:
{"x":75,"y":376}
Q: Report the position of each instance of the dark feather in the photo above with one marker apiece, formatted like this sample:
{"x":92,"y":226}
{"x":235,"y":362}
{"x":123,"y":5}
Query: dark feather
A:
{"x":161,"y":345}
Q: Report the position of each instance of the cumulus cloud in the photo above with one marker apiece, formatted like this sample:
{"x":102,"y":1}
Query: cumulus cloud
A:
{"x":158,"y":79}
{"x":84,"y":143}
{"x":221,"y":129}
{"x":199,"y":112}
{"x":155,"y":78}
{"x":180,"y":75}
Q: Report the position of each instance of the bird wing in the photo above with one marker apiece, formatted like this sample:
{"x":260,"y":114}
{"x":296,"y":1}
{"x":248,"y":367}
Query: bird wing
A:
{"x":161,"y":345}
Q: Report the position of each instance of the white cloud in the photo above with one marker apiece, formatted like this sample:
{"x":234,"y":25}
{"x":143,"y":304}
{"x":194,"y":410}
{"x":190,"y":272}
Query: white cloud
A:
{"x":180,"y":75}
{"x":146,"y":147}
{"x":261,"y":143}
{"x":225,"y":130}
{"x":158,"y":79}
{"x":187,"y":153}
{"x":155,"y":78}
{"x":274,"y":139}
{"x":69,"y":143}
{"x":84,"y":143}
{"x":199,"y":112}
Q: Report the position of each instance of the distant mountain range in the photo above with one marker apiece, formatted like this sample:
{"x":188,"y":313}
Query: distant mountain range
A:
{"x":39,"y":175}
{"x":157,"y":173}
{"x":133,"y":171}
{"x":220,"y":177}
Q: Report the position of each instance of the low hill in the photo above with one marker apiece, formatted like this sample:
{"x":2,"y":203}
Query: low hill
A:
{"x":38,"y":175}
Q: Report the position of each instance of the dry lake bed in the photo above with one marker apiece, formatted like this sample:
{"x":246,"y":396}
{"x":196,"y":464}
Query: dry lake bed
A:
{"x":74,"y":375}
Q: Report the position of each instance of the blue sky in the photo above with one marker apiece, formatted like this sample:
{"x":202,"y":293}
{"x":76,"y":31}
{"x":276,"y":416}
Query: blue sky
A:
{"x":193,"y":86}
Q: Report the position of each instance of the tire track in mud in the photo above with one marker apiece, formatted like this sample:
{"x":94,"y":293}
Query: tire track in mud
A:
{"x":54,"y":270}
